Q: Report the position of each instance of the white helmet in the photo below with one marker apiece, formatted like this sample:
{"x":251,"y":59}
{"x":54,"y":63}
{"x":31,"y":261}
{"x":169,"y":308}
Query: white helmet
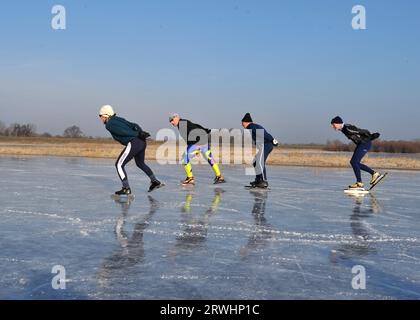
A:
{"x":106,"y":111}
{"x":173,"y":116}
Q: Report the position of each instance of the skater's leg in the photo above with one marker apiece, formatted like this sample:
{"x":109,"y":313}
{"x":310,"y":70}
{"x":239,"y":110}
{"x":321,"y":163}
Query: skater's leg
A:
{"x":206,"y":151}
{"x":363,"y":167}
{"x":126,"y":155}
{"x":355,"y":163}
{"x":267,"y":150}
{"x":359,"y":153}
{"x":259,"y":164}
{"x":139,"y":158}
{"x":188,"y":155}
{"x":257,"y":176}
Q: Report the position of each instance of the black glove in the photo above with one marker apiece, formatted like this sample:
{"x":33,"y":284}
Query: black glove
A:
{"x":375,"y":136}
{"x":143,"y":135}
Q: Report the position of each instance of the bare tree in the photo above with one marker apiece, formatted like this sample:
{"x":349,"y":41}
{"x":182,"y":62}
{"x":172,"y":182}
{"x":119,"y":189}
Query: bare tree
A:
{"x":73,"y":132}
{"x":13,"y":130}
{"x":21,"y":130}
{"x":2,"y":129}
{"x":27,"y":130}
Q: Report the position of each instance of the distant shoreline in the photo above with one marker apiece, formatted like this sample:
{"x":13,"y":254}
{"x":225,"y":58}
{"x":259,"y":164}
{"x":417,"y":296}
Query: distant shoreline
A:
{"x":106,"y":148}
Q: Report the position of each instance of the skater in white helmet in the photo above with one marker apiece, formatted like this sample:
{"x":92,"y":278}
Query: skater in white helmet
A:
{"x":134,"y":139}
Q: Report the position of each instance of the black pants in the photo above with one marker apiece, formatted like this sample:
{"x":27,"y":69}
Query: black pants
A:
{"x":136,"y":149}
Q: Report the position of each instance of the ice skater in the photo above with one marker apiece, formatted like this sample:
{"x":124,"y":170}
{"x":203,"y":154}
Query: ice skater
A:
{"x":363,"y":140}
{"x":264,"y":143}
{"x":197,"y":139}
{"x":134,"y":139}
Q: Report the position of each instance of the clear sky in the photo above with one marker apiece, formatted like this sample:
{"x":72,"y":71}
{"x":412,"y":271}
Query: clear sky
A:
{"x":292,"y":64}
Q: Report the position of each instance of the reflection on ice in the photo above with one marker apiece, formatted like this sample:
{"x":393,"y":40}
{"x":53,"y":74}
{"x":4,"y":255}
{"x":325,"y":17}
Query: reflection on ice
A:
{"x":131,"y":246}
{"x":262,"y":231}
{"x":299,"y":240}
{"x":194,"y":226}
{"x":360,"y":229}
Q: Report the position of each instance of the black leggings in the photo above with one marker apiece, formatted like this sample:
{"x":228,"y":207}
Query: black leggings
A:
{"x":358,"y":155}
{"x":136,"y":149}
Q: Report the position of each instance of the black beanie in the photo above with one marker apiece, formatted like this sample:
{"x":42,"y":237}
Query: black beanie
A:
{"x":337,"y":120}
{"x":247,"y":118}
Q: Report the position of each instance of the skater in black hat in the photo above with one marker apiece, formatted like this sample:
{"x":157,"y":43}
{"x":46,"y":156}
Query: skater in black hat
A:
{"x":265,"y":143}
{"x":363,"y":140}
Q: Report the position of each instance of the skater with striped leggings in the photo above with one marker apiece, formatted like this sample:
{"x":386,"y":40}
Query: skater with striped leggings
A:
{"x":197,"y":139}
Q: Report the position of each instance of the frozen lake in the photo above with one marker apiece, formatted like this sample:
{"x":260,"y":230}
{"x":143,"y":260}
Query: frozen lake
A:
{"x":298,"y":241}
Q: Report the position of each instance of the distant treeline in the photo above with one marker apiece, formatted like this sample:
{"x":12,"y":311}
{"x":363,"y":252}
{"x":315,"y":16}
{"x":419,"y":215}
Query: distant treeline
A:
{"x":18,"y":130}
{"x":400,"y":146}
{"x":29,"y":130}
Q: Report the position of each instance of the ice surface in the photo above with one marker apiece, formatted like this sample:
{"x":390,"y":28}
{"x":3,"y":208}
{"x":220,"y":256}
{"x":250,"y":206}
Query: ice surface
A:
{"x":298,"y":241}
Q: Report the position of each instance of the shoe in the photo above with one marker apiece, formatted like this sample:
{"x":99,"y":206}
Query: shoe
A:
{"x":156,"y":184}
{"x":188,"y":181}
{"x":253,"y":183}
{"x":219,"y":179}
{"x":260,"y":184}
{"x":357,"y":185}
{"x":375,"y":177}
{"x":123,"y":191}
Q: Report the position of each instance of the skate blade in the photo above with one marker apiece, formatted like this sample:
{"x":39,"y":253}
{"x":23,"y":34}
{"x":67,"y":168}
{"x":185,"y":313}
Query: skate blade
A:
{"x":187,"y":184}
{"x":378,"y":180}
{"x":257,"y":188}
{"x":357,"y":191}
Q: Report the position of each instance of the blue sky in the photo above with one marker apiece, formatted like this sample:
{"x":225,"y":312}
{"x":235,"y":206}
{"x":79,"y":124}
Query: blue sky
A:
{"x":292,"y":64}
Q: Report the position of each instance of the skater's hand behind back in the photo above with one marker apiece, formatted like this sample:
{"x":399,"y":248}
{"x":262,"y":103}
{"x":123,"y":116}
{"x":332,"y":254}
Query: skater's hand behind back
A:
{"x":143,"y":135}
{"x":375,"y":136}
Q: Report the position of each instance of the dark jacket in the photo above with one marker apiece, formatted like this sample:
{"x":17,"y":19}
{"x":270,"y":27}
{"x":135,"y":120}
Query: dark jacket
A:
{"x":193,"y":133}
{"x":122,"y":130}
{"x":357,"y":135}
{"x":257,"y":131}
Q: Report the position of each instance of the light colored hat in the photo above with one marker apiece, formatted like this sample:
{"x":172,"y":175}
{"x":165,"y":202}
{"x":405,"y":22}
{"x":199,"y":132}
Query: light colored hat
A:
{"x":106,"y":111}
{"x":174,"y":115}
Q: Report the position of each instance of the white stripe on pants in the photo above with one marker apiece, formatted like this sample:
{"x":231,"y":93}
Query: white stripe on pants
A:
{"x":121,"y":161}
{"x":260,"y":153}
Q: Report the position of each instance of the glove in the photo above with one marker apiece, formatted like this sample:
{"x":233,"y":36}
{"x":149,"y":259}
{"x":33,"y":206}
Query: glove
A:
{"x":143,"y":135}
{"x":275,"y":143}
{"x":375,"y":136}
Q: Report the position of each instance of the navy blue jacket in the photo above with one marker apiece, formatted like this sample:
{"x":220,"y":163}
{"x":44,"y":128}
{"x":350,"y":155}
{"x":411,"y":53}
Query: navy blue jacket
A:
{"x":122,"y":130}
{"x":255,"y":129}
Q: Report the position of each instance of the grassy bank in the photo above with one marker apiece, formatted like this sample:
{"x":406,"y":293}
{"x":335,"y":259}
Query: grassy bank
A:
{"x":107,"y":148}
